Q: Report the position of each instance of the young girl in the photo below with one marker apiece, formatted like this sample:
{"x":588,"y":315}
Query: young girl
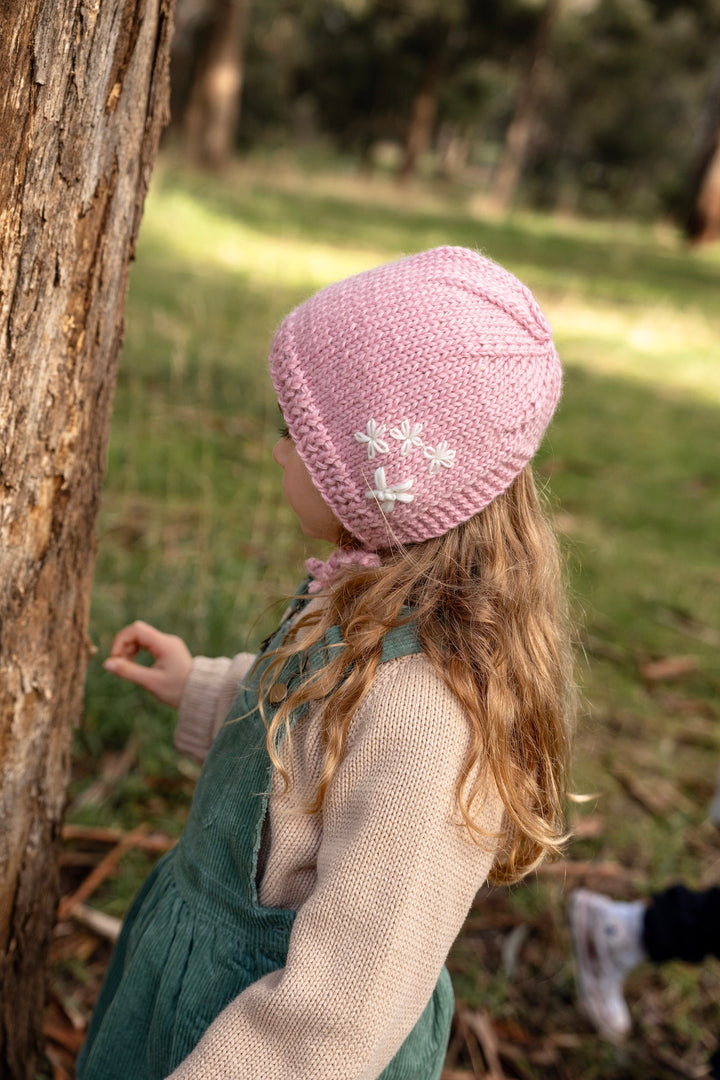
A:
{"x":404,"y":734}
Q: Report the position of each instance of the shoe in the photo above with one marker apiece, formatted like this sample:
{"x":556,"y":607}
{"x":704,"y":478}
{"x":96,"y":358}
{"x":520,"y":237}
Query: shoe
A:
{"x":607,"y":938}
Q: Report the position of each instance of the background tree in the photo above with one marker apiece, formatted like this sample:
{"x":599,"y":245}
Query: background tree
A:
{"x":216,"y":50}
{"x":703,"y":221}
{"x":84,"y":98}
{"x":519,"y":131}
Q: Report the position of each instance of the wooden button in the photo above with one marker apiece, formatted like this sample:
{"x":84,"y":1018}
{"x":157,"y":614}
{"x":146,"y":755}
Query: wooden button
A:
{"x":277,"y":693}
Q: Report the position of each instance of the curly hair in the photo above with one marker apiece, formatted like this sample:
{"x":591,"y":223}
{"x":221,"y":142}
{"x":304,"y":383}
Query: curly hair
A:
{"x":488,"y":605}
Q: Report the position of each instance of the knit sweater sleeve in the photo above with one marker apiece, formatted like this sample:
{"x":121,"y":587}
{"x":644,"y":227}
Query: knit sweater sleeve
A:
{"x":206,"y":700}
{"x":396,"y":877}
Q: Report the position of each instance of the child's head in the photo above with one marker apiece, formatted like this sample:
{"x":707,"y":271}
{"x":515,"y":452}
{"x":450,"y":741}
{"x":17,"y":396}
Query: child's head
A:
{"x":416,"y":392}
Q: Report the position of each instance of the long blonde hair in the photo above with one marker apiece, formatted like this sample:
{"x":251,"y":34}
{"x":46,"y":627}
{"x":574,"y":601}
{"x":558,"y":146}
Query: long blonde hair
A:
{"x":488,"y":605}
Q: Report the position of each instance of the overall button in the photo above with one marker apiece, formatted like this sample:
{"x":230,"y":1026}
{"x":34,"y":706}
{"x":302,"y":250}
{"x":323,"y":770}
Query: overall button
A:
{"x":277,"y":693}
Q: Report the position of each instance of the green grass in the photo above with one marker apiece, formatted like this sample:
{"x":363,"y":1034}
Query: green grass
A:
{"x":195,"y":536}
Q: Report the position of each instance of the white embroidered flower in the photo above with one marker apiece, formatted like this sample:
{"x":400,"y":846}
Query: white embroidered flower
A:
{"x":409,"y":435}
{"x":441,"y":455}
{"x":373,"y":437}
{"x":386,"y":494}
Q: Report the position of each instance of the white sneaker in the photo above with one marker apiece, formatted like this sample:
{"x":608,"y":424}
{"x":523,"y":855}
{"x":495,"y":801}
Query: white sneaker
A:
{"x":608,"y":943}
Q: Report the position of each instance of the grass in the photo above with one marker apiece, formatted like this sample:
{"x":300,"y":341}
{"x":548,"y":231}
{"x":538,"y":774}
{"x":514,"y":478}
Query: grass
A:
{"x":195,"y":537}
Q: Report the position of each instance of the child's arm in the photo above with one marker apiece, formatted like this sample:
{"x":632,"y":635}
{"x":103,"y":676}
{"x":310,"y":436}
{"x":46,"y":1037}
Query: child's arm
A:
{"x":206,"y":700}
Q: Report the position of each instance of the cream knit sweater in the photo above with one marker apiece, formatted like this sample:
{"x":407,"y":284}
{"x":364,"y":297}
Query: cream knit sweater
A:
{"x":382,"y":879}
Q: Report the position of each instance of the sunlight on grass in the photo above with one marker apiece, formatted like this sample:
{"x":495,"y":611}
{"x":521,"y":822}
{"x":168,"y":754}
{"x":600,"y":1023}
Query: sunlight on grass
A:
{"x":661,"y":346}
{"x":183,"y":226}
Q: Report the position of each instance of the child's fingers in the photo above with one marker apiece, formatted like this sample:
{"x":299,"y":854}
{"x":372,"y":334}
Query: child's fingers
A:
{"x":165,"y":682}
{"x":139,"y":635}
{"x":167,"y":676}
{"x":146,"y":677}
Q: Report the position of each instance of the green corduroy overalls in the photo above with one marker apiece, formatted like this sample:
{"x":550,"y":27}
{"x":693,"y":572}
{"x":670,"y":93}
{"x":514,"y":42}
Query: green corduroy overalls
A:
{"x":196,"y":935}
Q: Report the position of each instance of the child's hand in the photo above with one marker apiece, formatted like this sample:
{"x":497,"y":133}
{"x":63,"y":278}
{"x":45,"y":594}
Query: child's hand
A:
{"x":167,"y":677}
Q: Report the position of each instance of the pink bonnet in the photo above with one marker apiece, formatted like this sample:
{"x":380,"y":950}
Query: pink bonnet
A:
{"x":416,"y":392}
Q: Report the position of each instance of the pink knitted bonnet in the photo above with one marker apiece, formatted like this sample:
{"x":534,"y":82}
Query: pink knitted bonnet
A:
{"x":416,"y":392}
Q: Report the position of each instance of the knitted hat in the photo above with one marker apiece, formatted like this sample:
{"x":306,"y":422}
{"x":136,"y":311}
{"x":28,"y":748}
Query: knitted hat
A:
{"x":416,"y":392}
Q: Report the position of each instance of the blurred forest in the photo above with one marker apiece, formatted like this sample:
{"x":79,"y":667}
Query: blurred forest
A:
{"x":591,"y":107}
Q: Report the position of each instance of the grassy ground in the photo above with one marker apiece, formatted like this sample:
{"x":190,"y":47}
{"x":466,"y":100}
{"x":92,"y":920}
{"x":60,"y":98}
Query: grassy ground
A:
{"x":194,"y":536}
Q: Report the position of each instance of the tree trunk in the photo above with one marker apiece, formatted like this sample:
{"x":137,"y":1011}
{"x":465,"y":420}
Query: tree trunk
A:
{"x":83,"y":100}
{"x":214,"y":106}
{"x":703,"y":221}
{"x":518,"y":134}
{"x":422,"y":116}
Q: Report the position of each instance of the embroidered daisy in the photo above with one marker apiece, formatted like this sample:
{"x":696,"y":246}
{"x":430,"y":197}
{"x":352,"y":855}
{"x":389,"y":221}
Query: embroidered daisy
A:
{"x":409,"y":435}
{"x":373,"y":437}
{"x":386,"y":495}
{"x":439,"y":456}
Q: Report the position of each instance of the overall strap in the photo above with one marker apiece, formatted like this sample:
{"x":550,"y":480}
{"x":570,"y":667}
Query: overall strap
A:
{"x":398,"y":641}
{"x":401,"y":641}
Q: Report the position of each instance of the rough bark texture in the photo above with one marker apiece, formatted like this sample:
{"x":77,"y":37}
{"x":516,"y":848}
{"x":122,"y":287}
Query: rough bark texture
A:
{"x":213,"y":110}
{"x":81,"y":107}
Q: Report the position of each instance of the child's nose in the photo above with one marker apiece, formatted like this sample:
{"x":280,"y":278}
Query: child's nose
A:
{"x":277,"y":451}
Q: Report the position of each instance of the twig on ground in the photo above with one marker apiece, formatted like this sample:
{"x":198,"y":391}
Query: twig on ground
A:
{"x":153,"y":842}
{"x":655,"y":794}
{"x":103,"y":870}
{"x":454,"y":1048}
{"x":688,"y":624}
{"x":584,"y":868}
{"x":472,"y":1046}
{"x":64,"y":1035}
{"x":669,"y":668}
{"x":114,"y":767}
{"x":105,"y":926}
{"x":481,"y":1026}
{"x":677,"y":1065}
{"x":61,"y":1063}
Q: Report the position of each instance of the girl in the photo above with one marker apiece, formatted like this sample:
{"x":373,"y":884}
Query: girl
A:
{"x":400,"y":739}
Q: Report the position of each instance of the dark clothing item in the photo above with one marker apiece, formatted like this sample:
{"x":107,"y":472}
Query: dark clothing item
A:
{"x":681,"y":924}
{"x":715,"y":1065}
{"x":684,"y":925}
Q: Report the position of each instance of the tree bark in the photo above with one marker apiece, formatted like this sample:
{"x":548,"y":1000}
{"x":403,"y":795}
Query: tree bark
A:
{"x":518,"y":134}
{"x":213,"y":110}
{"x":81,"y":108}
